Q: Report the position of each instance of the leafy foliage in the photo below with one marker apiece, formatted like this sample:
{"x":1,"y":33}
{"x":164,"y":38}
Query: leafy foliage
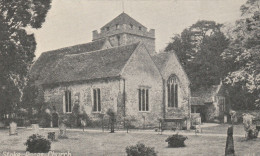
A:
{"x":176,"y":140}
{"x":17,"y":47}
{"x":140,"y":150}
{"x":199,"y":49}
{"x":243,"y":52}
{"x":37,"y":144}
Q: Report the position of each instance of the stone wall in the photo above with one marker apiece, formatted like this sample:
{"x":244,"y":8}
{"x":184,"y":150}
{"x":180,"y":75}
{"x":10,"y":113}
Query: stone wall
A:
{"x":149,"y":42}
{"x":82,"y":94}
{"x":173,"y":67}
{"x":142,"y":72}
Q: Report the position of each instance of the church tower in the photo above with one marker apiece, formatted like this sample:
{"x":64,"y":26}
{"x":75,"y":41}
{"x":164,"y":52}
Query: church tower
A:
{"x":125,"y":30}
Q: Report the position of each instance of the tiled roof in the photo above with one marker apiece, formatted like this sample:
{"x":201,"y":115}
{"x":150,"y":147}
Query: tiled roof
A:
{"x":161,"y":59}
{"x":105,"y":63}
{"x":121,"y":19}
{"x":48,"y":60}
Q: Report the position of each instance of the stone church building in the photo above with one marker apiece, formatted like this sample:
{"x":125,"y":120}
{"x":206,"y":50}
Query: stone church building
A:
{"x":120,"y":70}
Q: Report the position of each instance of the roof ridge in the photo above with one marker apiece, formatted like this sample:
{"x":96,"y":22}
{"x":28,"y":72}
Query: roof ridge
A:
{"x":123,"y":14}
{"x":103,"y":39}
{"x":90,"y":52}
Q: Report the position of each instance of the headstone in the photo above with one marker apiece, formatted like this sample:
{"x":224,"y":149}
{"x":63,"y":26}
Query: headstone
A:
{"x":233,"y":116}
{"x":83,"y":124}
{"x":225,"y":118}
{"x":229,"y":150}
{"x":35,"y":128}
{"x":198,"y":129}
{"x":13,"y":128}
{"x":62,"y":128}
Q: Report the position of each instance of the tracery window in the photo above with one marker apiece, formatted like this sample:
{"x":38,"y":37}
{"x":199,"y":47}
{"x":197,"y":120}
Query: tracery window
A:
{"x":172,"y":90}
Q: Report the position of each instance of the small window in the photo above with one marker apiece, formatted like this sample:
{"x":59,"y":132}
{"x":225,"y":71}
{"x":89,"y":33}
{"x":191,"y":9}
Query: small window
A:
{"x":143,"y":95}
{"x":107,"y":28}
{"x":96,"y":100}
{"x":140,"y":28}
{"x":67,"y":101}
{"x":117,"y":26}
{"x":131,"y":26}
{"x":118,"y":39}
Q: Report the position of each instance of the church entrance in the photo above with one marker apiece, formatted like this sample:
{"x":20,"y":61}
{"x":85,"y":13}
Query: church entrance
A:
{"x":55,"y":120}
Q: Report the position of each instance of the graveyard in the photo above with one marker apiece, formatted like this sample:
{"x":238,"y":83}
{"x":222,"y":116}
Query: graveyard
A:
{"x":211,"y":141}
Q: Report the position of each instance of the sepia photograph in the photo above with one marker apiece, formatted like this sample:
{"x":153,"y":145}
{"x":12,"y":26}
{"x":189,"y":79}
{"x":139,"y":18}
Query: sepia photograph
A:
{"x":129,"y":77}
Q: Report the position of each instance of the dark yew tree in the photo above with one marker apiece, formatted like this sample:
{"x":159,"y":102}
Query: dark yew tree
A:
{"x":199,"y":49}
{"x":17,"y":47}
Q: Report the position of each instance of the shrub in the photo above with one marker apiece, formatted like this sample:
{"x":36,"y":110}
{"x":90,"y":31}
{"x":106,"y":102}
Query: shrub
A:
{"x":140,"y":150}
{"x":37,"y":144}
{"x":176,"y":140}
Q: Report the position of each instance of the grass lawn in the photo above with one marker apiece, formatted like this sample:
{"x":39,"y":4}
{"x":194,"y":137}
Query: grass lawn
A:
{"x":99,"y":144}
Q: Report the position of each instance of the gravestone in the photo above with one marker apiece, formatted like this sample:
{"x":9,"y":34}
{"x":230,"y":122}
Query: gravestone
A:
{"x":13,"y":128}
{"x":83,"y":124}
{"x":233,"y":116}
{"x":225,"y":118}
{"x":62,"y":129}
{"x":229,"y":150}
{"x":35,"y":128}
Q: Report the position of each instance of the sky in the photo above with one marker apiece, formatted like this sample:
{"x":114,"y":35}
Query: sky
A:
{"x":71,"y":22}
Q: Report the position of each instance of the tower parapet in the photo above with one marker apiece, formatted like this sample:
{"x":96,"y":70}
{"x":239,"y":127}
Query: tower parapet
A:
{"x":125,"y":30}
{"x":119,"y":29}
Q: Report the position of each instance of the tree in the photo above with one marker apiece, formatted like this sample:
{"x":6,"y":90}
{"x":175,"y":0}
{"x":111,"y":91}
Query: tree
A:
{"x":17,"y":47}
{"x":199,"y":49}
{"x":243,"y":51}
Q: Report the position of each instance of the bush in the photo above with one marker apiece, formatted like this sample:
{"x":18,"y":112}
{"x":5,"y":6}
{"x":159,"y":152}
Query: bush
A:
{"x":140,"y":150}
{"x":37,"y":144}
{"x":176,"y":140}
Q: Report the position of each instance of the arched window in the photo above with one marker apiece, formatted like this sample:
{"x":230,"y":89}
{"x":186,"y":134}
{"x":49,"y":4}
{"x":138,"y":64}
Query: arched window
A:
{"x":172,"y":89}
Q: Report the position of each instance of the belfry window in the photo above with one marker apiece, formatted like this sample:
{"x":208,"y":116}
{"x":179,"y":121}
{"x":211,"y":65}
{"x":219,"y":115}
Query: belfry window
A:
{"x":172,"y":90}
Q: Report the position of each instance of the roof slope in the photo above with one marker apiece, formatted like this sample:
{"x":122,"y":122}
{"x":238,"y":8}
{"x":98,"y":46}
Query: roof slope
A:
{"x":121,"y":19}
{"x":161,"y":59}
{"x":94,"y":65}
{"x":48,"y":60}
